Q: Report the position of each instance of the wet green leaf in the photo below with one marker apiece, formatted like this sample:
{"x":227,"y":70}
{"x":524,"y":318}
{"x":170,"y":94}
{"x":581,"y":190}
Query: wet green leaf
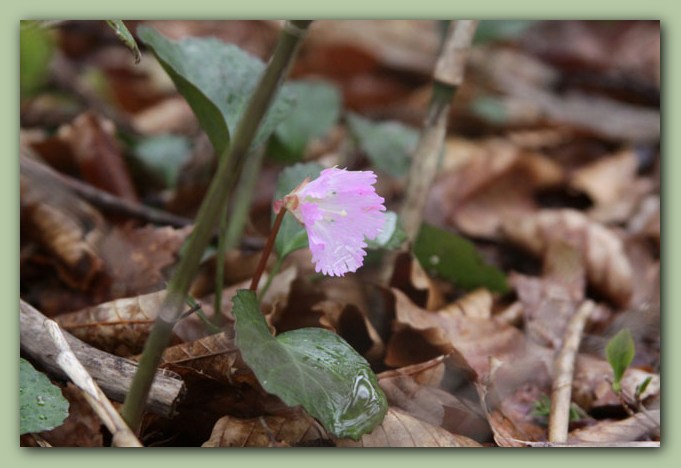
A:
{"x":311,"y":367}
{"x":126,"y":38}
{"x":454,"y":258}
{"x":316,"y":110}
{"x":217,"y":80}
{"x":292,"y":235}
{"x":41,"y":404}
{"x":388,"y":145}
{"x":620,"y":352}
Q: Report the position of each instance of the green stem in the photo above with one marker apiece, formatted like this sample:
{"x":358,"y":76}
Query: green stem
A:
{"x":220,"y":267}
{"x":228,"y":171}
{"x":231,"y":231}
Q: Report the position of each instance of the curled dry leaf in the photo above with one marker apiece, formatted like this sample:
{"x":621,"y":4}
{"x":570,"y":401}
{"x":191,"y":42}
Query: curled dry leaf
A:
{"x":410,"y":278}
{"x":607,"y":266}
{"x":65,"y":226}
{"x":120,"y":327}
{"x":476,"y":339}
{"x":399,"y":429}
{"x":98,"y":155}
{"x":267,"y":431}
{"x":611,"y":182}
{"x":496,"y":185}
{"x":638,"y":427}
{"x":353,"y":326}
{"x":440,"y":392}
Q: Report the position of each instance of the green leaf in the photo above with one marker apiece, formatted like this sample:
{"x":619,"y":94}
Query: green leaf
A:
{"x":316,"y":111}
{"x":36,"y":44}
{"x":217,"y":80}
{"x":125,"y":37}
{"x":495,"y":30}
{"x":41,"y":404}
{"x":640,"y":388}
{"x":388,"y":145}
{"x":311,"y":367}
{"x":162,"y":157}
{"x":620,"y":352}
{"x":292,"y":235}
{"x":455,"y":259}
{"x":392,"y":236}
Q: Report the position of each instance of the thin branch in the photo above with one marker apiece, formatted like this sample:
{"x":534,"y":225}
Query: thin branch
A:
{"x":448,"y":76}
{"x":69,"y":363}
{"x":112,"y":373}
{"x":100,"y":198}
{"x":564,"y":366}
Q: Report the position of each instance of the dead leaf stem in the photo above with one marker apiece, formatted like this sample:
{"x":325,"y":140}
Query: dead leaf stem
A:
{"x":561,"y":391}
{"x":69,"y":363}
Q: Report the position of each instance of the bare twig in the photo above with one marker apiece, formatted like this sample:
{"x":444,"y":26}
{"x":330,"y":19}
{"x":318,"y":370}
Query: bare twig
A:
{"x":448,"y":76}
{"x":97,"y":197}
{"x":638,"y":444}
{"x":561,"y":391}
{"x":112,"y":373}
{"x":69,"y":363}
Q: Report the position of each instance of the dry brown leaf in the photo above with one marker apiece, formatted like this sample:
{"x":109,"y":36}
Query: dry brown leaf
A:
{"x":215,"y":356}
{"x":476,"y":339}
{"x":410,"y":278}
{"x":606,"y":179}
{"x":67,"y":227}
{"x":268,"y":431}
{"x":638,"y":427}
{"x":495,"y":185}
{"x":476,"y":304}
{"x":398,"y":429}
{"x":439,"y":392}
{"x":354,"y":327}
{"x":98,"y":154}
{"x":135,"y":259}
{"x":608,"y":268}
{"x":120,"y":327}
{"x":238,"y":266}
{"x":612,"y":183}
{"x":532,"y":83}
{"x":408,"y":346}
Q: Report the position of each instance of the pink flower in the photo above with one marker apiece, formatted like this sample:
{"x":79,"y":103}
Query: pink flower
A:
{"x":339,"y":210}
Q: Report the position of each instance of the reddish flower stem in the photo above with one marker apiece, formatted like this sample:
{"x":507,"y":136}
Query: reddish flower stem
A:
{"x":268,"y":249}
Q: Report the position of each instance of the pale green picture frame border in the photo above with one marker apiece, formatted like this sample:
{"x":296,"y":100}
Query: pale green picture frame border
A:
{"x":12,"y":12}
